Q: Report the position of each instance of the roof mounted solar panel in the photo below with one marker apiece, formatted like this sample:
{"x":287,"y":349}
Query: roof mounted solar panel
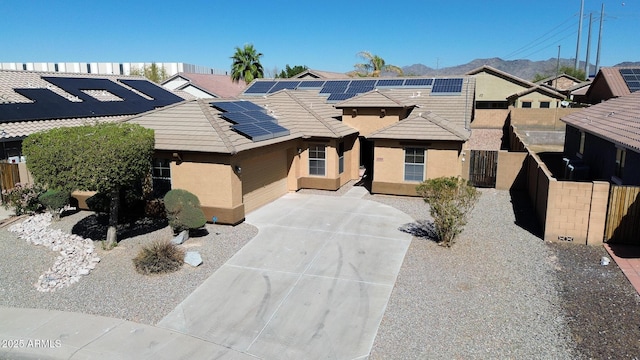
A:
{"x":363,"y":82}
{"x":260,"y":87}
{"x":280,"y":85}
{"x":420,"y":82}
{"x":390,"y":83}
{"x":47,"y":105}
{"x":311,"y":84}
{"x":631,"y":78}
{"x":253,"y":132}
{"x":275,"y":129}
{"x":228,"y":106}
{"x":239,"y":117}
{"x":447,"y":86}
{"x":158,"y":93}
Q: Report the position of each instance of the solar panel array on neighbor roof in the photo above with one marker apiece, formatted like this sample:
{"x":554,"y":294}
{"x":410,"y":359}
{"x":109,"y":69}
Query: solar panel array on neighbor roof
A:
{"x":49,"y":105}
{"x":632,"y":78}
{"x":250,"y":120}
{"x":339,"y":90}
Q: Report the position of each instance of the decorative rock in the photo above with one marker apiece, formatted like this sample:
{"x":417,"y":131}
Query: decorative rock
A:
{"x":193,"y":258}
{"x":180,"y":238}
{"x":76,"y":254}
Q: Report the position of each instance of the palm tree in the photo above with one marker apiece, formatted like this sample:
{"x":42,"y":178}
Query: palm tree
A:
{"x":246,"y":64}
{"x":374,"y":65}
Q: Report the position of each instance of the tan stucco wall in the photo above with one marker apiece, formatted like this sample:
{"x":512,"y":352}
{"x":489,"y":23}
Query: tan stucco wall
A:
{"x":213,"y":184}
{"x":332,"y":180}
{"x":490,"y":87}
{"x":489,"y":118}
{"x":547,"y":119}
{"x":510,"y":170}
{"x":442,"y":159}
{"x":536,"y":98}
{"x":369,"y":120}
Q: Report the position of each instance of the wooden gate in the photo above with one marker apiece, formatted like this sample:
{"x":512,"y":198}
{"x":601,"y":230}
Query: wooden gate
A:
{"x":9,"y":176}
{"x":483,"y":167}
{"x":623,"y":215}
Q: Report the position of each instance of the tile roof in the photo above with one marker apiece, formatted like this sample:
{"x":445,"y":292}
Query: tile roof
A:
{"x":318,"y":74}
{"x":616,"y":120}
{"x":502,"y":74}
{"x":422,"y":126}
{"x":21,"y":129}
{"x":615,"y":82}
{"x":12,"y":79}
{"x":540,"y":89}
{"x":216,"y":85}
{"x":302,"y":111}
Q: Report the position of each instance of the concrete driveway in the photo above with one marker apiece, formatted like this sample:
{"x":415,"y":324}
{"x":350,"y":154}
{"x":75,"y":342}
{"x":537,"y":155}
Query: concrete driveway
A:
{"x":313,"y":284}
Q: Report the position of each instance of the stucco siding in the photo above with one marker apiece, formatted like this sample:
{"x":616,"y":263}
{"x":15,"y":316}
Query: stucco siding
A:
{"x":369,"y":120}
{"x":210,"y":182}
{"x":264,"y":179}
{"x":490,"y":87}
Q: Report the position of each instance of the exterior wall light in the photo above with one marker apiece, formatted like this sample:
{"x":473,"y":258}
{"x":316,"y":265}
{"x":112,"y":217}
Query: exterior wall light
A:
{"x":238,"y":169}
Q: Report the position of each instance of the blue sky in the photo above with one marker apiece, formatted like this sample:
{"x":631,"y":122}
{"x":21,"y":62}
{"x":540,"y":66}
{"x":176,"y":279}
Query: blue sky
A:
{"x":324,"y":35}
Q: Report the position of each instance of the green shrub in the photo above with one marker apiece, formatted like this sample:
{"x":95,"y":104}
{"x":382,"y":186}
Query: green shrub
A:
{"x":183,"y":210}
{"x":159,"y":257}
{"x":23,"y":199}
{"x":55,"y":200}
{"x":132,"y":205}
{"x":451,"y":199}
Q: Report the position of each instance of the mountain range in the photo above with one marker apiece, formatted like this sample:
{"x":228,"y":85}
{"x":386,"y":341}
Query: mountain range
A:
{"x":525,"y":69}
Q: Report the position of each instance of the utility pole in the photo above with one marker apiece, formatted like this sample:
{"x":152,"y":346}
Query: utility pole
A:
{"x":576,"y":65}
{"x":555,"y":85}
{"x":599,"y":40}
{"x":586,"y":63}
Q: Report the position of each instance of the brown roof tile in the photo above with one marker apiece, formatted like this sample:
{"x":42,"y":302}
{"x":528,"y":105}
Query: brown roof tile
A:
{"x":217,"y":85}
{"x":616,"y":120}
{"x":422,"y":126}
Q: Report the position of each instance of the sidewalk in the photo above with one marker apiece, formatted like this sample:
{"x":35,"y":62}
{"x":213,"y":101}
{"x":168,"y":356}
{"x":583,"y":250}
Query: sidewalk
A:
{"x":48,"y":334}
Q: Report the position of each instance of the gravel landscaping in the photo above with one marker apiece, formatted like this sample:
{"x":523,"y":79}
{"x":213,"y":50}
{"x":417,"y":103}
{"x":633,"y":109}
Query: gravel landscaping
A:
{"x":499,"y":292}
{"x":114,"y":288}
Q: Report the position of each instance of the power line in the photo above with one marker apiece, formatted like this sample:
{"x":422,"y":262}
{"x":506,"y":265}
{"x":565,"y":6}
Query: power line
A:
{"x":546,"y":37}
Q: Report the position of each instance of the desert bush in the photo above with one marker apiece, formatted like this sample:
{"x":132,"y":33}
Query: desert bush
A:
{"x":451,"y":199}
{"x":54,"y":200}
{"x":23,"y":198}
{"x":183,"y":210}
{"x":159,"y":257}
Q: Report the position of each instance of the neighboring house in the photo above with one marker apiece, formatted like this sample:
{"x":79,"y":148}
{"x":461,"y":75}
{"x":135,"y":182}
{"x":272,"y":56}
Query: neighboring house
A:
{"x":561,"y":83}
{"x":107,"y":68}
{"x":204,"y":86}
{"x":602,"y":141}
{"x":537,"y":97}
{"x":494,"y":87}
{"x":318,"y":74}
{"x":36,"y":101}
{"x":578,"y":93}
{"x":612,"y":82}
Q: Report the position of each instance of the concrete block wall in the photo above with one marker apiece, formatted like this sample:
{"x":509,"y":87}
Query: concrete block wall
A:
{"x":548,"y":119}
{"x":510,"y":170}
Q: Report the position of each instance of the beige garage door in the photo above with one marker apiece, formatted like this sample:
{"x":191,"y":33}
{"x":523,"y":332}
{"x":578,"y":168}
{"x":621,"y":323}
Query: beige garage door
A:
{"x":264,"y":179}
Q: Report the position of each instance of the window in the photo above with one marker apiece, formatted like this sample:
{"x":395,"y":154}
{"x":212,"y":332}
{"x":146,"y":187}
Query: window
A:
{"x":526,"y":104}
{"x":621,"y":154}
{"x":581,"y":147}
{"x":317,"y":160}
{"x":414,"y":164}
{"x":161,"y":175}
{"x":545,"y":104}
{"x":340,"y":158}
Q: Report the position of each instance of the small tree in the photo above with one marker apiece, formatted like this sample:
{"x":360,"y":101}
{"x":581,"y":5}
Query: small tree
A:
{"x":451,"y":199}
{"x":103,"y":158}
{"x":290,"y":72}
{"x":153,"y":72}
{"x":183,"y":210}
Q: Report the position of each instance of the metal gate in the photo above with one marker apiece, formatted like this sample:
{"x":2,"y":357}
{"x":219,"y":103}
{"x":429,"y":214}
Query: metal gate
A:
{"x":483,"y":166}
{"x":623,"y":215}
